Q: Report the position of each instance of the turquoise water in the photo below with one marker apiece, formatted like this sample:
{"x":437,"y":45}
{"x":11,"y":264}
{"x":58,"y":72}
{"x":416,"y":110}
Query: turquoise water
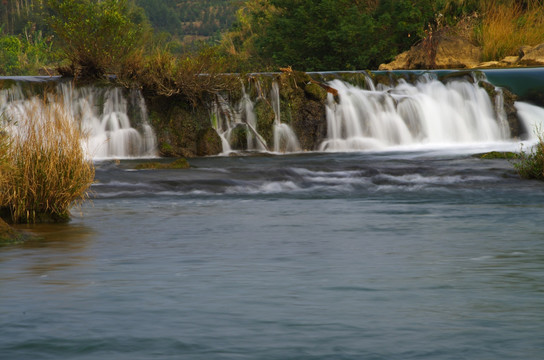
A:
{"x":396,"y":255}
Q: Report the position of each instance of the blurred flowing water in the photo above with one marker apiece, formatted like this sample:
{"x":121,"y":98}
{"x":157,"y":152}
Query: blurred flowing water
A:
{"x":412,"y":254}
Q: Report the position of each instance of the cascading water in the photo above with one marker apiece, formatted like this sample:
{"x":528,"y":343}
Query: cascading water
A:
{"x":228,"y":118}
{"x":426,"y":113}
{"x":102,"y":113}
{"x":532,"y":118}
{"x":285,"y":139}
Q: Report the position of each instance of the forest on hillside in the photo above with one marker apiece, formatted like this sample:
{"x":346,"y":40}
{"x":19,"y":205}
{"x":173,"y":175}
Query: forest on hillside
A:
{"x":94,"y":37}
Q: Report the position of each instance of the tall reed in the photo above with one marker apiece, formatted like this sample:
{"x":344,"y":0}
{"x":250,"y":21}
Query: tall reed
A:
{"x":45,"y":169}
{"x":509,"y":24}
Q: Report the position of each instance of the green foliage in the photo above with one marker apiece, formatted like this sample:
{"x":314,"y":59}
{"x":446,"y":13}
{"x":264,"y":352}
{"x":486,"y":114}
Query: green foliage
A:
{"x":97,"y":36}
{"x":10,"y":48}
{"x":187,"y":17}
{"x":530,"y":165}
{"x":327,"y":34}
{"x":403,"y":22}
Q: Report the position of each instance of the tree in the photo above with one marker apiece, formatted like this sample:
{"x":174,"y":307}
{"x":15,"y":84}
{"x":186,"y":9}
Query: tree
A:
{"x":10,"y":49}
{"x":318,"y":35}
{"x":97,"y":36}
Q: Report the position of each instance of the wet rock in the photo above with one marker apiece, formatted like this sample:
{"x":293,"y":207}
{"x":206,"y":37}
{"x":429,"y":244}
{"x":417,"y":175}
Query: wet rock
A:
{"x":517,"y":130}
{"x":180,"y":163}
{"x":238,"y":137}
{"x":182,"y":130}
{"x":208,"y":142}
{"x":9,"y":235}
{"x":265,"y":120}
{"x":309,"y":123}
{"x":303,"y":111}
{"x":315,"y":92}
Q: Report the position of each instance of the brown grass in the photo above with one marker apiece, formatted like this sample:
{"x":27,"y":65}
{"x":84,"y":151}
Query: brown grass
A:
{"x":45,"y":169}
{"x":509,"y":24}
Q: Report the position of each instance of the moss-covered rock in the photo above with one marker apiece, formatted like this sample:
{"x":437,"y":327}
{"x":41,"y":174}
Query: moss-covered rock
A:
{"x":309,"y":123}
{"x":183,"y":130}
{"x":265,"y":120}
{"x":517,"y":129}
{"x":238,"y":137}
{"x":497,"y":155}
{"x":315,"y":92}
{"x":9,"y":235}
{"x":303,"y":108}
{"x":208,"y":142}
{"x":180,"y":163}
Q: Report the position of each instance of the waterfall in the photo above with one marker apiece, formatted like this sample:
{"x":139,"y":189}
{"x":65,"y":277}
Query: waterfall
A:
{"x":532,"y":118}
{"x":102,"y":113}
{"x":229,"y":118}
{"x":285,"y":139}
{"x":425,"y":113}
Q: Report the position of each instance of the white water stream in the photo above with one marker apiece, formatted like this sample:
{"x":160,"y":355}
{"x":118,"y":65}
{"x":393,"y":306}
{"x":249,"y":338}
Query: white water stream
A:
{"x":102,"y":113}
{"x":426,"y":114}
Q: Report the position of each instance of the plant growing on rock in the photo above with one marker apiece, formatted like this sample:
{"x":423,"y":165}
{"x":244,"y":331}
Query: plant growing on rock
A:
{"x":43,"y":166}
{"x":530,"y":165}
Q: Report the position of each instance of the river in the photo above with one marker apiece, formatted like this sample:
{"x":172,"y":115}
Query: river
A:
{"x":397,"y":254}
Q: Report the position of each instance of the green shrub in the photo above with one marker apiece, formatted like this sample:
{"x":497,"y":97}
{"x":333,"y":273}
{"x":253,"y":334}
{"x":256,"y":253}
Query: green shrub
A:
{"x":10,"y":50}
{"x":530,"y":165}
{"x":97,"y":36}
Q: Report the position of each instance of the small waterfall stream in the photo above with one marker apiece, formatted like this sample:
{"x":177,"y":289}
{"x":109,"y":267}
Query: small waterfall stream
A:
{"x":427,"y":113}
{"x":103,"y":113}
{"x":285,"y":139}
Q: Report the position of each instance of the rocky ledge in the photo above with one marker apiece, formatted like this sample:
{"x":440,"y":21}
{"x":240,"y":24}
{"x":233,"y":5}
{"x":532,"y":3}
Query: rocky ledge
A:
{"x":450,"y":52}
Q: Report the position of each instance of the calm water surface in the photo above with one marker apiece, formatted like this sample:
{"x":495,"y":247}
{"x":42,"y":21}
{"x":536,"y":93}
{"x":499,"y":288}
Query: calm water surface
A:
{"x":399,"y":255}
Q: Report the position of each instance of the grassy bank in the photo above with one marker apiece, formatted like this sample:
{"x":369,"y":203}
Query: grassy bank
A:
{"x":508,"y":25}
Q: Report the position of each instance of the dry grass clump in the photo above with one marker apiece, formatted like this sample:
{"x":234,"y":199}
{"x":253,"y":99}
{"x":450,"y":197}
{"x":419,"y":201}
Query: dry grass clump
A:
{"x":509,"y":24}
{"x":44,"y":168}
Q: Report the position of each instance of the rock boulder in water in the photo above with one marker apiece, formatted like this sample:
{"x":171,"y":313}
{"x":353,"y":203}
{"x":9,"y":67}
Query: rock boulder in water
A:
{"x":208,"y":142}
{"x":238,"y":137}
